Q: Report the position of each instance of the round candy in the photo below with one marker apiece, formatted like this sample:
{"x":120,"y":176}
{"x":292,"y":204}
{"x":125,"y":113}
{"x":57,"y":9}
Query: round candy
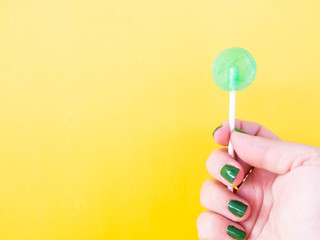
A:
{"x":234,"y":69}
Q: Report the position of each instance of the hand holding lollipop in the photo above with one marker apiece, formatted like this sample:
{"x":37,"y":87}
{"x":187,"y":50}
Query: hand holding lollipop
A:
{"x":277,"y":201}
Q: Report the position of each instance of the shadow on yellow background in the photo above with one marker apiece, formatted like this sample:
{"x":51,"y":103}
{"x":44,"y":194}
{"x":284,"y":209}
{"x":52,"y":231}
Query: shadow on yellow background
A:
{"x":107,"y":108}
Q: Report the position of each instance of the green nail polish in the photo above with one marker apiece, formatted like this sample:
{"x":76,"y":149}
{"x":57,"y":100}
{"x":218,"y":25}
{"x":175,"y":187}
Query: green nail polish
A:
{"x":229,"y":173}
{"x":237,"y":208}
{"x":240,"y":131}
{"x":216,"y":130}
{"x":236,"y":233}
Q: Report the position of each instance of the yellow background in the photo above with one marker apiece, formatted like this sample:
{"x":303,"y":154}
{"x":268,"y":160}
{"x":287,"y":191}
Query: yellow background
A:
{"x":107,"y":107}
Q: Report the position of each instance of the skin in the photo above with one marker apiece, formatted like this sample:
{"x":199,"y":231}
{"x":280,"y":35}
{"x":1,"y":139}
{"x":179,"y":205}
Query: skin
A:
{"x":281,"y":192}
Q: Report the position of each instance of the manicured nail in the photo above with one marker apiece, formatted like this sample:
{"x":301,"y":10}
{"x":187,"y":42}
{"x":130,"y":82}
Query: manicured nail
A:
{"x":229,"y":173}
{"x":236,"y":233}
{"x":216,"y":130}
{"x":240,"y":131}
{"x":237,"y":208}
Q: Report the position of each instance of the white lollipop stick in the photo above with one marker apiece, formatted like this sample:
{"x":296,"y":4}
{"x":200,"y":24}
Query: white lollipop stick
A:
{"x":232,"y":114}
{"x":233,"y":78}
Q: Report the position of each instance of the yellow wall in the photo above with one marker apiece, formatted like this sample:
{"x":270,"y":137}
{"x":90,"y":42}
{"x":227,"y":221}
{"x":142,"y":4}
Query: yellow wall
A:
{"x":107,"y":107}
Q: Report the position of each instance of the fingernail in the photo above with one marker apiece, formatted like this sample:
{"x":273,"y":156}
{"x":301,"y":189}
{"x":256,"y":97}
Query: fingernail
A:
{"x":240,"y":131}
{"x":229,"y":173}
{"x":216,"y":130}
{"x":237,"y":208}
{"x":236,"y":233}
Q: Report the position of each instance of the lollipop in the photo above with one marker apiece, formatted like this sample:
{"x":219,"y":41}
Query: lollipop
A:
{"x":233,"y":70}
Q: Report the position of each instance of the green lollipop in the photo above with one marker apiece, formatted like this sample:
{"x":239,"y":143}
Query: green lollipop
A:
{"x":233,"y":70}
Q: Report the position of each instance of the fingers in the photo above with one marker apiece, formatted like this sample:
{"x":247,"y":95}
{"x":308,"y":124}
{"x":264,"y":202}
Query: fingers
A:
{"x":216,"y":197}
{"x":273,"y":155}
{"x":221,"y":135}
{"x":212,"y":226}
{"x":223,"y":167}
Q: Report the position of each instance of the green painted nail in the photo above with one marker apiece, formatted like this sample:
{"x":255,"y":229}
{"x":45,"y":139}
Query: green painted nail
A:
{"x":237,"y":208}
{"x":229,"y":173}
{"x":240,"y":131}
{"x":236,"y":233}
{"x":220,"y":126}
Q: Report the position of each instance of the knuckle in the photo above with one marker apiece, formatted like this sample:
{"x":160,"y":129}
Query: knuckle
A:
{"x":205,"y":223}
{"x":204,"y":190}
{"x":211,"y":156}
{"x":215,"y":153}
{"x":200,"y":220}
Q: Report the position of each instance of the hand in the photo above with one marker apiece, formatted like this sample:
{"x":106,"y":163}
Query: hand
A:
{"x":278,"y":200}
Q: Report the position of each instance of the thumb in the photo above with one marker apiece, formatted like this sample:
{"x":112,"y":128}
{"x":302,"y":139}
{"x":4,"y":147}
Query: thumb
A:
{"x":273,"y":155}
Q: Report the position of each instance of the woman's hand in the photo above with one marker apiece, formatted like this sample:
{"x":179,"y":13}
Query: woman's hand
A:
{"x":280,"y":199}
